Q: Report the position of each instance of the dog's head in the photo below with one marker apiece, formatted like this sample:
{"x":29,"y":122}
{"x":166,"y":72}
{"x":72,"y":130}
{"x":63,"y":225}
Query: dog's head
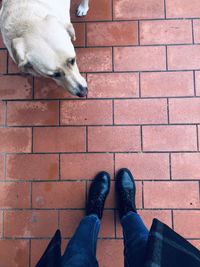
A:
{"x":47,"y":50}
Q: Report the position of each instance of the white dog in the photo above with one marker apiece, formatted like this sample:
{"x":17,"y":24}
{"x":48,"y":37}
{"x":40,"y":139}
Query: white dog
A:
{"x":38,"y":35}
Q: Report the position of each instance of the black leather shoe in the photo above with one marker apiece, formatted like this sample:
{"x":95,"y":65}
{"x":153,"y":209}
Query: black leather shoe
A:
{"x":125,"y":189}
{"x":98,"y":192}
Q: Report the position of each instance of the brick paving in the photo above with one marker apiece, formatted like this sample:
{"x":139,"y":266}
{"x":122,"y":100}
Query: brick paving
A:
{"x":142,"y":63}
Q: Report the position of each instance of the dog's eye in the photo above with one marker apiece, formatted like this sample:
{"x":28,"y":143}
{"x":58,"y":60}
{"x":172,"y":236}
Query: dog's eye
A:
{"x":71,"y":61}
{"x":57,"y":74}
{"x":28,"y":66}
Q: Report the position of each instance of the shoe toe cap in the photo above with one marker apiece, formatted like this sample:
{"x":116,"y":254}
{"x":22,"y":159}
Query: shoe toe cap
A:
{"x":125,"y":178}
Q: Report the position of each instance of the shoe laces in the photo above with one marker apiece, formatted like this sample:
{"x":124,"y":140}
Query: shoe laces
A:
{"x":127,"y":197}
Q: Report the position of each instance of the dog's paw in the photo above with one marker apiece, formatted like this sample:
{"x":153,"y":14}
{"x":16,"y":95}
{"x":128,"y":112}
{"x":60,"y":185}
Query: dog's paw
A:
{"x":82,"y":10}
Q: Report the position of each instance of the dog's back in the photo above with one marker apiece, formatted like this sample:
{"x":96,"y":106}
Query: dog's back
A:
{"x":38,"y":35}
{"x":16,"y":15}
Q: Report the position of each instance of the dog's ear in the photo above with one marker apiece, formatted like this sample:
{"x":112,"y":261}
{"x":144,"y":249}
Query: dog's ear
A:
{"x":70,"y":29}
{"x":18,"y":52}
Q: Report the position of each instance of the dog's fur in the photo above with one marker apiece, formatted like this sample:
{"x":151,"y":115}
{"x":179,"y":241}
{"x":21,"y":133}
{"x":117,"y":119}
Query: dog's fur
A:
{"x":38,"y":35}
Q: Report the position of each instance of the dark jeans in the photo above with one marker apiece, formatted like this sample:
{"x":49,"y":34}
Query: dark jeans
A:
{"x":135,"y":239}
{"x":81,"y":250}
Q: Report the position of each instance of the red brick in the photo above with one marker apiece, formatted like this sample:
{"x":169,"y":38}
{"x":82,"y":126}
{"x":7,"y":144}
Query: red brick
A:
{"x":80,"y":34}
{"x":162,"y":215}
{"x":185,"y":166}
{"x":14,"y":253}
{"x":1,"y":42}
{"x":107,"y":229}
{"x":182,"y":8}
{"x":199,"y":133}
{"x":2,"y":167}
{"x":195,"y":243}
{"x":185,"y":57}
{"x":147,"y":216}
{"x":196,"y":26}
{"x":162,"y":84}
{"x":3,"y":61}
{"x":99,"y":10}
{"x":110,"y":201}
{"x":132,"y":111}
{"x":169,"y":138}
{"x":25,"y":167}
{"x":48,"y":89}
{"x":32,"y":113}
{"x":30,"y":223}
{"x":169,"y":195}
{"x":110,"y":253}
{"x":94,"y":59}
{"x":14,"y":195}
{"x":184,"y":110}
{"x":113,"y":85}
{"x":134,"y":9}
{"x":85,"y":166}
{"x":2,"y":113}
{"x":144,"y":166}
{"x":197,"y":79}
{"x":64,"y":244}
{"x":38,"y":246}
{"x":1,"y":224}
{"x":113,"y":139}
{"x":15,"y":87}
{"x":112,"y":33}
{"x":86,"y":112}
{"x":186,"y":223}
{"x":68,"y":195}
{"x":12,"y":67}
{"x":165,"y":32}
{"x":139,"y":58}
{"x":69,"y":221}
{"x":139,"y":193}
{"x":63,"y":139}
{"x":15,"y":140}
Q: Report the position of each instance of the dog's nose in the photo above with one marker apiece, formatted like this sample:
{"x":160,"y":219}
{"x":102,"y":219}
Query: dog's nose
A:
{"x":82,"y":91}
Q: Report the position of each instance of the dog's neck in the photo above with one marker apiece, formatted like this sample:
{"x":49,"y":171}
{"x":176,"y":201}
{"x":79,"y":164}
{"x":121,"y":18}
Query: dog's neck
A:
{"x":31,"y":10}
{"x":22,"y":17}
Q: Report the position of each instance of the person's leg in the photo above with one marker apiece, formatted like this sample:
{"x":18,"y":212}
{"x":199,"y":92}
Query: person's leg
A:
{"x":135,"y":239}
{"x":82,"y":246}
{"x":134,"y":231}
{"x":81,"y":250}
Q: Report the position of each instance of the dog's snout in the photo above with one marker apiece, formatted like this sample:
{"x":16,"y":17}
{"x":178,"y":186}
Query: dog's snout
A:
{"x":82,"y":91}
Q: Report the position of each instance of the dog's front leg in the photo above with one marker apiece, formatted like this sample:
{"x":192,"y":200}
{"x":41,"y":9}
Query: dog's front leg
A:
{"x":83,"y":8}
